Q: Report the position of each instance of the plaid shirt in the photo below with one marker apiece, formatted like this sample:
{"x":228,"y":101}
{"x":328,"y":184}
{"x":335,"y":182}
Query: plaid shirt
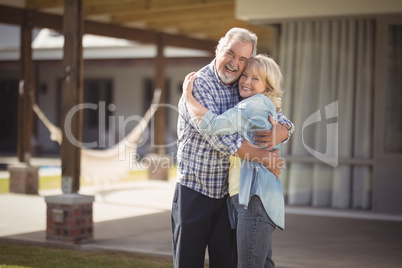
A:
{"x":203,"y":161}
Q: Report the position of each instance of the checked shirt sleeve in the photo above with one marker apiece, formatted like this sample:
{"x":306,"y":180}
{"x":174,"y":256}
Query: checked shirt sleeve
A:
{"x":282,"y":119}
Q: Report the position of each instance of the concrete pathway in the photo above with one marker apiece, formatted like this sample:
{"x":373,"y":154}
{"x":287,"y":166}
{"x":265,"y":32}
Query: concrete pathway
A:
{"x":135,"y":217}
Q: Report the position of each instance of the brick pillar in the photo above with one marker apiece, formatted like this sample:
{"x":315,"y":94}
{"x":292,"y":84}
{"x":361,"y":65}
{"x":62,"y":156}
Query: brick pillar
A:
{"x":69,"y":218}
{"x":158,"y":166}
{"x":23,"y":178}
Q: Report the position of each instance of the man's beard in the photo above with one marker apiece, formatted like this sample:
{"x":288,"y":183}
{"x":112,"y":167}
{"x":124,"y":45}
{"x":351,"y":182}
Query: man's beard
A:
{"x":225,"y":78}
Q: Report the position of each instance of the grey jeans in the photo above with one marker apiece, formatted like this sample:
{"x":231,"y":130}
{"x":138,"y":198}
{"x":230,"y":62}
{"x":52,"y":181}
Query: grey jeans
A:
{"x":254,"y":234}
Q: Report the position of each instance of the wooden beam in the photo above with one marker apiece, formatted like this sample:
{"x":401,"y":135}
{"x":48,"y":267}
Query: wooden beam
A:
{"x":111,"y":30}
{"x":44,"y":20}
{"x":72,"y":95}
{"x":11,"y":15}
{"x":25,"y":113}
{"x":175,"y":40}
{"x":147,"y":36}
{"x":51,"y":21}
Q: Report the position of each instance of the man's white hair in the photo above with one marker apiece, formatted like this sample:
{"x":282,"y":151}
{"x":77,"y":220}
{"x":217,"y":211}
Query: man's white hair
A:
{"x":241,"y":35}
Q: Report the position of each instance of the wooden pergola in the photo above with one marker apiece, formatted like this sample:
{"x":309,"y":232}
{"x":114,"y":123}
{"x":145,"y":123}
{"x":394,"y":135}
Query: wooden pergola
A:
{"x":196,"y":24}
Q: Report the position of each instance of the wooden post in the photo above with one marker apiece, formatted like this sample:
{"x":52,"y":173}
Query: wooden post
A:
{"x":160,"y":115}
{"x":23,"y":176}
{"x":69,"y":216}
{"x":72,"y":95}
{"x":26,"y":89}
{"x":159,"y":161}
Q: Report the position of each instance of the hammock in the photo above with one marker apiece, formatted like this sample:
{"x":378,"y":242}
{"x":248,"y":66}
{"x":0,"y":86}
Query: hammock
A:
{"x":104,"y":166}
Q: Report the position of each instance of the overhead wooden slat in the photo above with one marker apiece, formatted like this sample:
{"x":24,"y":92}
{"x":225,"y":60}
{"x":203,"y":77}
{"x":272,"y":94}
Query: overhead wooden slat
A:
{"x":142,"y":6}
{"x":190,"y":24}
{"x":216,"y":24}
{"x":114,"y":8}
{"x":41,"y":4}
{"x":171,"y":12}
{"x":171,"y":20}
{"x":213,"y":29}
{"x":142,"y":20}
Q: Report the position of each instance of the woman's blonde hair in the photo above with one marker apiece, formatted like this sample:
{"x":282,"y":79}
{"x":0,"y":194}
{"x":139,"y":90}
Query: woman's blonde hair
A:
{"x":271,"y":76}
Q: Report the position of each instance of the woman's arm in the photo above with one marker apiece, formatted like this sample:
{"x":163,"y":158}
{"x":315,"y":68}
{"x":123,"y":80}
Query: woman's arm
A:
{"x":243,"y":117}
{"x":193,"y":105}
{"x":204,"y":93}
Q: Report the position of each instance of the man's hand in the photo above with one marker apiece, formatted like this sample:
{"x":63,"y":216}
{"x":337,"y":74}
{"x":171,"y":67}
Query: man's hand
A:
{"x":271,"y":138}
{"x":274,"y":162}
{"x":188,"y":84}
{"x":270,"y":159}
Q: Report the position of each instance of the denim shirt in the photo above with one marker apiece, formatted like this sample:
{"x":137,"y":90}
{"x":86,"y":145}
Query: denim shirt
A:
{"x":248,"y":116}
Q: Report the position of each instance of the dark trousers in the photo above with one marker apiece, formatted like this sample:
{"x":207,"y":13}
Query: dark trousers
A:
{"x":199,"y":221}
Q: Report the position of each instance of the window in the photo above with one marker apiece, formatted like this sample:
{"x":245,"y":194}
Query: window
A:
{"x":393,"y":126}
{"x":96,"y":91}
{"x":8,"y":115}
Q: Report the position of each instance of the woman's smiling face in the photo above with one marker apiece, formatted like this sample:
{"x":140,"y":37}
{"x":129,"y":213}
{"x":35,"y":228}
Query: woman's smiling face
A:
{"x":251,"y":83}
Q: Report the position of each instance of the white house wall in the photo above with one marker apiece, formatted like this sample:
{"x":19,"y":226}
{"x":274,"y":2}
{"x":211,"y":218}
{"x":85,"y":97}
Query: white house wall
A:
{"x":128,"y":93}
{"x":266,"y":10}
